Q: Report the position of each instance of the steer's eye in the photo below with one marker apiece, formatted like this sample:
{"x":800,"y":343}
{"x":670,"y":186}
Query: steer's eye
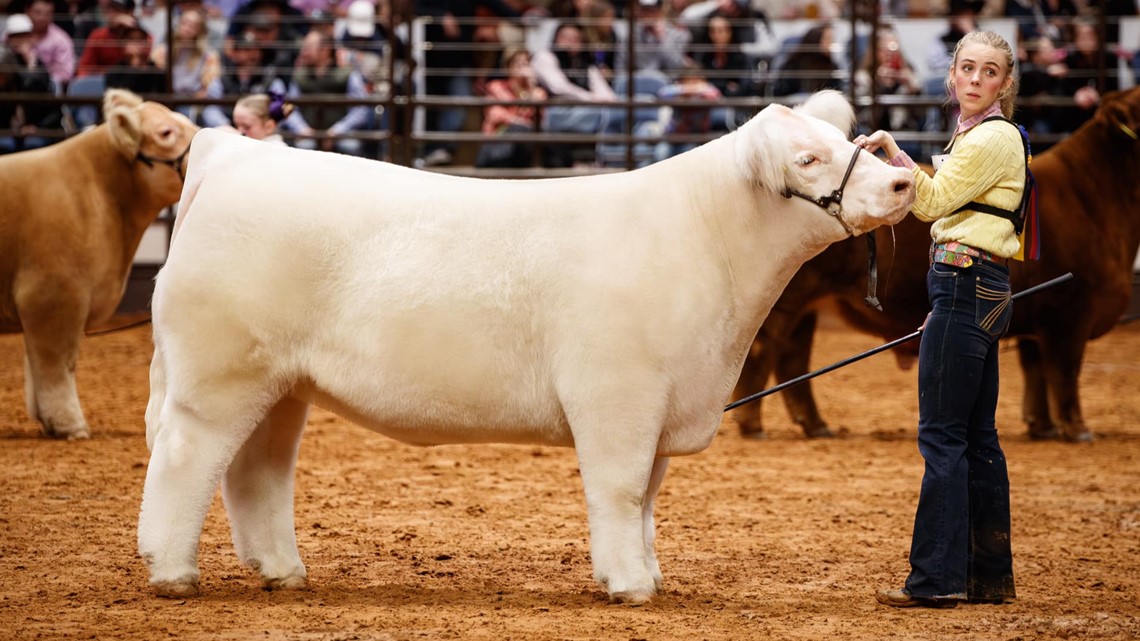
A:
{"x":805,"y":160}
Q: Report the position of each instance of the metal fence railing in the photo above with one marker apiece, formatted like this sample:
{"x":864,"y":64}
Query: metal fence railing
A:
{"x":403,"y":105}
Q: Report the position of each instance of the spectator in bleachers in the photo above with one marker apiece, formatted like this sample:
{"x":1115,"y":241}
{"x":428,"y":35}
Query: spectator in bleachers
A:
{"x":196,"y":64}
{"x":1042,"y":74}
{"x":719,"y":54}
{"x":21,"y":73}
{"x":366,"y":46}
{"x":569,"y":10}
{"x":690,"y":85}
{"x":741,"y":17}
{"x":810,"y":66}
{"x":276,"y":25}
{"x":889,"y":73}
{"x":322,"y":21}
{"x":567,"y":71}
{"x":811,"y":9}
{"x":243,"y":72}
{"x":661,"y":42}
{"x":453,"y":24}
{"x":258,"y":115}
{"x":105,"y":47}
{"x":520,"y":84}
{"x":135,"y":71}
{"x":52,"y":46}
{"x":86,"y":17}
{"x":1041,"y":17}
{"x":68,"y":15}
{"x":598,"y":36}
{"x":961,"y":19}
{"x":319,"y":73}
{"x":1080,"y":81}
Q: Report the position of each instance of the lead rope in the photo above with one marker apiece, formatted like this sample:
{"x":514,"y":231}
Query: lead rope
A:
{"x":872,"y":274}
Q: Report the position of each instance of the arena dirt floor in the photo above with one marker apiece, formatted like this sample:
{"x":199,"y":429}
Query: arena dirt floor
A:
{"x":777,"y":539}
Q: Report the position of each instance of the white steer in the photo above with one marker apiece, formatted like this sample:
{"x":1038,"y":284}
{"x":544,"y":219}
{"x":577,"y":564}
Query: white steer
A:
{"x":610,"y":313}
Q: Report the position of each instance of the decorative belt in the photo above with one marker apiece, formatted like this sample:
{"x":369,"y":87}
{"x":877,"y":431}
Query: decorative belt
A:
{"x":957,"y":254}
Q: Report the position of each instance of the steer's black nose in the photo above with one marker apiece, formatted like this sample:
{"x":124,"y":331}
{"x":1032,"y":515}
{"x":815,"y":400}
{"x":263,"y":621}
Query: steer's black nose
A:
{"x":906,"y":184}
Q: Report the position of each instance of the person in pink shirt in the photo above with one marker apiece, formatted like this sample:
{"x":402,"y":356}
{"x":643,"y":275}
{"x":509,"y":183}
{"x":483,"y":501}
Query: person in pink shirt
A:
{"x":54,"y":48}
{"x":105,"y":47}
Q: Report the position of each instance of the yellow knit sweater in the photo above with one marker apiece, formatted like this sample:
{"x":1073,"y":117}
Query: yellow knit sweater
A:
{"x":987,"y":165}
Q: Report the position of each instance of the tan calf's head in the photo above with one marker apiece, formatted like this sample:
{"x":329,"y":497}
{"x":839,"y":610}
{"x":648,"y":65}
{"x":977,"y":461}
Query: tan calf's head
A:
{"x":154,"y":137}
{"x":803,"y":154}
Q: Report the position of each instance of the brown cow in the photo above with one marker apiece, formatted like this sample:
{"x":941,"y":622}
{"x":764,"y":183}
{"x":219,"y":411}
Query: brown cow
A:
{"x":71,"y":218}
{"x":1090,"y":187}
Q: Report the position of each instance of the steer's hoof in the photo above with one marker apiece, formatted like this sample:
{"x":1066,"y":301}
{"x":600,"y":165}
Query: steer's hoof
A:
{"x":631,"y":597}
{"x":70,"y":432}
{"x":285,"y":583}
{"x":1080,"y":437}
{"x":176,"y":589}
{"x":1048,"y":434}
{"x":819,"y":432}
{"x":755,"y":434}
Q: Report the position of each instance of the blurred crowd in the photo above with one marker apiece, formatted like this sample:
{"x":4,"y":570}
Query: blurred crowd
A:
{"x":552,"y":66}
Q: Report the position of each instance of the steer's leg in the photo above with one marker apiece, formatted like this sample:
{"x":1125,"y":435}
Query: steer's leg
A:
{"x":616,"y":450}
{"x":192,"y":444}
{"x":258,"y":493}
{"x":1035,"y":398}
{"x":754,"y":376}
{"x":794,"y":361}
{"x":648,"y":529}
{"x":1063,"y":351}
{"x":51,"y":347}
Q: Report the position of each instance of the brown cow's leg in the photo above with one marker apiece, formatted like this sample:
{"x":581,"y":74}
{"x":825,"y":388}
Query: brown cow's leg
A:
{"x":794,"y":360}
{"x":1062,"y":356}
{"x":1035,"y":400}
{"x":753,"y":377}
{"x":51,"y":344}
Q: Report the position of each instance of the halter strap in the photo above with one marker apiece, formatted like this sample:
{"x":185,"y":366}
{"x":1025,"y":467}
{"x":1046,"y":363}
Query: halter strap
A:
{"x":831,"y":203}
{"x":174,"y":163}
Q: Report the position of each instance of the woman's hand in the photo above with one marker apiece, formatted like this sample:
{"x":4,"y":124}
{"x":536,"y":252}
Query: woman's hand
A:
{"x":876,"y":141}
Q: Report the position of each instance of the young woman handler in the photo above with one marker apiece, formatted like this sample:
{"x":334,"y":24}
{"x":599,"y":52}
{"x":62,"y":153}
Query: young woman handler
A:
{"x":960,"y":549}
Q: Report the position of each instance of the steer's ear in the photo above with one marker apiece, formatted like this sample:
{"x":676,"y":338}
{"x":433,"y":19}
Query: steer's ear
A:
{"x":830,"y":106}
{"x":121,"y":111}
{"x":120,"y":98}
{"x":763,"y":148}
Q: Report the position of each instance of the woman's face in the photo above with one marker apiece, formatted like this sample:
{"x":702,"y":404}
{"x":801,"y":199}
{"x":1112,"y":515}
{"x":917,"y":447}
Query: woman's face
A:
{"x":720,"y":32}
{"x":569,"y":39}
{"x":519,"y":66}
{"x":1085,"y":39}
{"x":889,"y":52}
{"x":190,"y":25}
{"x":826,"y":40}
{"x":979,"y":76}
{"x":250,"y":124}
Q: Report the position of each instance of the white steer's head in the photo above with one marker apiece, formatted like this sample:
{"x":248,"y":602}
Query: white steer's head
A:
{"x":803,"y":154}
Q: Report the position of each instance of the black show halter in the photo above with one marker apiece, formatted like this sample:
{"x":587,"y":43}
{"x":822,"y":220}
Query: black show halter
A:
{"x":174,"y":163}
{"x":831,"y":203}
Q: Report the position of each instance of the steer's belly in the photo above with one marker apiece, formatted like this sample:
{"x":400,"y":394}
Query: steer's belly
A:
{"x":439,"y":420}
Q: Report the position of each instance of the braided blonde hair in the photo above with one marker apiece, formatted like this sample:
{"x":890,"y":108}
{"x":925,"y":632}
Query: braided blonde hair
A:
{"x":1008,"y":96}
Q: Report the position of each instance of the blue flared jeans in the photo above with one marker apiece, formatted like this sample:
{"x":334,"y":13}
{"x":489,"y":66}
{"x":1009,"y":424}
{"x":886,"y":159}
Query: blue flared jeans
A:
{"x":961,"y":546}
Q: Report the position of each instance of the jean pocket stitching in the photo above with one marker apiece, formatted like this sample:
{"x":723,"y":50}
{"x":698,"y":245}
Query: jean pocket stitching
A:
{"x":995,"y":313}
{"x":992,"y":294}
